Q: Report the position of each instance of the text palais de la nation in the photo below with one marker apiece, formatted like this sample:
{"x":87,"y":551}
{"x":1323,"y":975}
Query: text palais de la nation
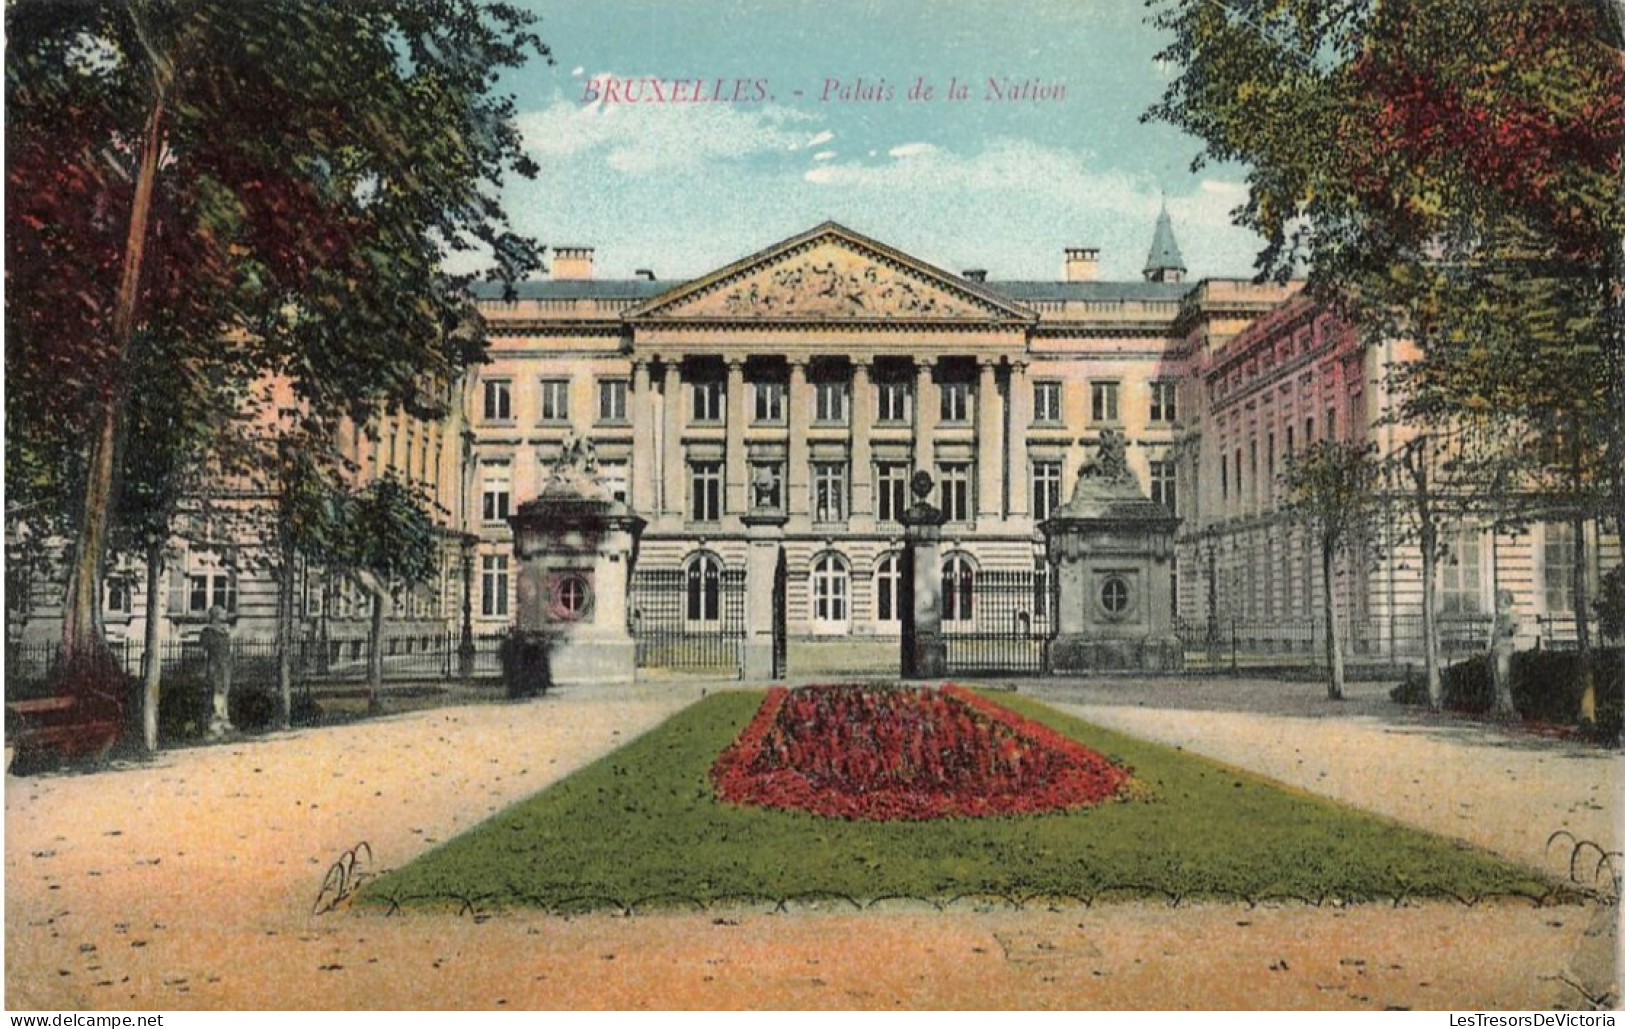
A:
{"x":614,"y":89}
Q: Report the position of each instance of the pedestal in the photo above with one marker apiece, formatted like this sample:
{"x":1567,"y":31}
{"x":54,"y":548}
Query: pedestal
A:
{"x":925,"y":652}
{"x":764,"y":533}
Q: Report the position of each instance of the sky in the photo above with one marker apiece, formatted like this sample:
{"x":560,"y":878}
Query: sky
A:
{"x":826,"y":125}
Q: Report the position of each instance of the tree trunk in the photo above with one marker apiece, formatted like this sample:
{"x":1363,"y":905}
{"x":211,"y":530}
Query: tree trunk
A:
{"x":1430,"y":612}
{"x":81,"y":613}
{"x":1334,"y":645}
{"x":284,"y":633}
{"x":152,"y":659}
{"x":375,"y":651}
{"x":1582,"y":630}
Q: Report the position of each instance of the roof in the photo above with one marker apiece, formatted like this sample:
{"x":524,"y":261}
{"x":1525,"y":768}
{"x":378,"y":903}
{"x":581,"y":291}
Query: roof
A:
{"x":1164,"y":248}
{"x":572,"y":289}
{"x":1038,"y":290}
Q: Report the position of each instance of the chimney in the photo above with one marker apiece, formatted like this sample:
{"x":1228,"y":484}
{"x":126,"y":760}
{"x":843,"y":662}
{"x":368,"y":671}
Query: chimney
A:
{"x":646,"y":274}
{"x":975,"y":274}
{"x":1082,"y":264}
{"x":572,"y":263}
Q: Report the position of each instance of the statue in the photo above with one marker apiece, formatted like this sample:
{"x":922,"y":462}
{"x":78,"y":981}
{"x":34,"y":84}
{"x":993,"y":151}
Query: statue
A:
{"x":764,"y":485}
{"x":1502,"y":633}
{"x":577,"y":460}
{"x":1107,"y":474}
{"x":216,"y":638}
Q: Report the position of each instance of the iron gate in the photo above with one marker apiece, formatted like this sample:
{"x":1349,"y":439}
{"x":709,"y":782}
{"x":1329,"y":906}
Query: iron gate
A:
{"x":997,"y":621}
{"x":689,"y":619}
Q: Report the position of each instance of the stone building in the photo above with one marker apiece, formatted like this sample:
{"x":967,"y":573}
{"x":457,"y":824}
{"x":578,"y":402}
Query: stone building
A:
{"x":1297,"y":375}
{"x":802,"y":386}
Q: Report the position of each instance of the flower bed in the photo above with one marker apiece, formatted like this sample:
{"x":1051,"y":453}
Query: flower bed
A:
{"x":881,"y":754}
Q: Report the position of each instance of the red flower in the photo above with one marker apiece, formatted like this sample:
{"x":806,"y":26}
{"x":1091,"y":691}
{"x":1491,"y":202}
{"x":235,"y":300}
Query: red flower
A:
{"x":906,"y":753}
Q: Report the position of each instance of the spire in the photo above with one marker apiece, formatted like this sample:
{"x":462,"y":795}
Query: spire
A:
{"x":1164,"y":264}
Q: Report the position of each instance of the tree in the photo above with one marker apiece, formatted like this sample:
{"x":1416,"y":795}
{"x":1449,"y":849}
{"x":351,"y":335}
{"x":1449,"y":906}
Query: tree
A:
{"x":387,"y":542}
{"x":278,"y":180}
{"x":1393,"y":143}
{"x":1331,"y":490}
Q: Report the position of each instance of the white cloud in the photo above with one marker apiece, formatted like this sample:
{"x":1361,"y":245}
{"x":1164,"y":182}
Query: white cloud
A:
{"x":824,"y":155}
{"x":821,"y":138}
{"x":577,"y":71}
{"x":646,"y":138}
{"x":911,"y":150}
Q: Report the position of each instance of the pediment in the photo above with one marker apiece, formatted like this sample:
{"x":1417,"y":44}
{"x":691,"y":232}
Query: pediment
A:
{"x":831,"y":274}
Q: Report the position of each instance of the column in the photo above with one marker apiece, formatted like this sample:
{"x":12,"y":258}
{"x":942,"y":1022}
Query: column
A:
{"x":641,"y":491}
{"x":735,"y":476}
{"x":798,"y":416}
{"x":1021,"y":415}
{"x":671,"y":450}
{"x":862,"y":414}
{"x":989,"y":444}
{"x":924,"y":651}
{"x":926,"y":411}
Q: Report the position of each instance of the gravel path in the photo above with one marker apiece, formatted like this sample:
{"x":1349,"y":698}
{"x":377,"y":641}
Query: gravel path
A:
{"x":189,"y":882}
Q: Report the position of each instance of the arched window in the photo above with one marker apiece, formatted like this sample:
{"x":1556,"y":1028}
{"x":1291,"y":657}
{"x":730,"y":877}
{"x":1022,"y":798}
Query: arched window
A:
{"x":703,"y":583}
{"x":831,"y":593}
{"x":958,"y":581}
{"x":889,"y":588}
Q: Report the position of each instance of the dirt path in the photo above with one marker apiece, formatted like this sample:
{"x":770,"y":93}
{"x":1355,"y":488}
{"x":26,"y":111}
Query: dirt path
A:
{"x":189,"y":883}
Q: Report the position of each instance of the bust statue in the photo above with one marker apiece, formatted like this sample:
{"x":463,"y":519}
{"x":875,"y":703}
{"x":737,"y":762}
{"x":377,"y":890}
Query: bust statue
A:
{"x":920,"y":485}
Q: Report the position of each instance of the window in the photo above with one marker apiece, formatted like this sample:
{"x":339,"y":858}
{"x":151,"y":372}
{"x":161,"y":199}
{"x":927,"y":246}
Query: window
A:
{"x":1557,"y":567}
{"x":1046,"y":401}
{"x":955,"y":493}
{"x":1461,"y":578}
{"x":958,"y":583}
{"x":612,"y":476}
{"x":1289,"y":440}
{"x":1103,"y":401}
{"x":1162,"y":485}
{"x":571,"y":598}
{"x":891,"y":490}
{"x":767,"y":486}
{"x":1114,"y":595}
{"x":494,"y":585}
{"x":498,"y":401}
{"x":889,"y":588}
{"x":494,"y":491}
{"x":212,"y":589}
{"x":893,"y":400}
{"x":1308,"y":431}
{"x":831,"y":588}
{"x":1046,"y":488}
{"x":612,"y":400}
{"x":769,"y":398}
{"x":1041,"y":590}
{"x":1331,"y":423}
{"x":705,"y":491}
{"x":829,"y":491}
{"x":1164,"y":407}
{"x":707,"y":400}
{"x":956,"y":401}
{"x":704,"y":589}
{"x":118,"y":596}
{"x":1224,"y":478}
{"x":555,"y":400}
{"x":829,"y":402}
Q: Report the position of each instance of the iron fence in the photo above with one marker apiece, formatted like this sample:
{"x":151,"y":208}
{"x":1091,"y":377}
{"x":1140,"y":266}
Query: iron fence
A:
{"x":689,"y":619}
{"x":1234,"y":642}
{"x":314,"y":661}
{"x":1001,"y":621}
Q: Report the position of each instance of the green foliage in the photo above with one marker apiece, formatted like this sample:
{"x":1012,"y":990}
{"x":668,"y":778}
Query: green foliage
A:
{"x":643,"y":824}
{"x":1546,"y":687}
{"x":1331,"y":488}
{"x":1610,"y":603}
{"x":385,"y":530}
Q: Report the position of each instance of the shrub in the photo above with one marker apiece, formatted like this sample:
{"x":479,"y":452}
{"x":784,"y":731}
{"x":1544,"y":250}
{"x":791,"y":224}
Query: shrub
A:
{"x":1546,"y":687}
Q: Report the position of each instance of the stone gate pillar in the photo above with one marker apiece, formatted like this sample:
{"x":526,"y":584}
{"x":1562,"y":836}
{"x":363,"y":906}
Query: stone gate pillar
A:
{"x":1111,"y":552}
{"x":924,"y":650}
{"x":574,"y":545}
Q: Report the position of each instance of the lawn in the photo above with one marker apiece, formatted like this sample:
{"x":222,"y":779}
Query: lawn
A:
{"x":643,"y":828}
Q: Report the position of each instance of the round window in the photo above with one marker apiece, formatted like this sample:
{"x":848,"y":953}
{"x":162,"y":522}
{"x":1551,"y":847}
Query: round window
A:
{"x":571,"y":597}
{"x":1114,"y":595}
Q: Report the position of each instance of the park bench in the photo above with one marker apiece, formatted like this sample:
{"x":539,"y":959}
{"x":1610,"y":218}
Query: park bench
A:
{"x":46,"y":729}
